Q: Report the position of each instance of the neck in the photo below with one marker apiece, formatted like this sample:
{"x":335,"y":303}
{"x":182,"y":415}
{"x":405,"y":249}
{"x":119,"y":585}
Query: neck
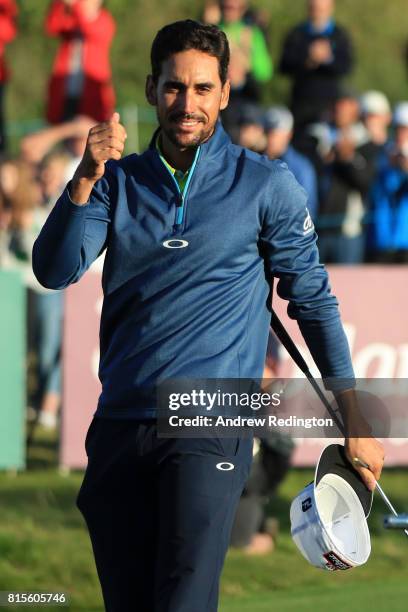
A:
{"x":233,"y":17}
{"x":320,"y":24}
{"x":180,"y":159}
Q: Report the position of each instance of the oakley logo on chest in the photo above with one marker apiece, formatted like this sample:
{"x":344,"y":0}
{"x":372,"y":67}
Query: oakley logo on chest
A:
{"x":225,"y":466}
{"x":175,"y":243}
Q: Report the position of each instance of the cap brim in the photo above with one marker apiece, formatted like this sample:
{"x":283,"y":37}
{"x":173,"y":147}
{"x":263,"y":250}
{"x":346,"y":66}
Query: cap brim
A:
{"x":333,"y":460}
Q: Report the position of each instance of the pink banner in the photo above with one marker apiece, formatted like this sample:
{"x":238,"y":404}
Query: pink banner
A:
{"x":373,"y":307}
{"x":81,"y":386}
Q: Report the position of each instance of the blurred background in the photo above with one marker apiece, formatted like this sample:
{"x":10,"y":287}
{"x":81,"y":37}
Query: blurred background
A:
{"x":322,"y":85}
{"x":377,"y":28}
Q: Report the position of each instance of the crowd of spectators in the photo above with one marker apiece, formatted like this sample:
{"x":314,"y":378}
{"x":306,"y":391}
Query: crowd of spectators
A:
{"x":347,"y":149}
{"x":79,"y":93}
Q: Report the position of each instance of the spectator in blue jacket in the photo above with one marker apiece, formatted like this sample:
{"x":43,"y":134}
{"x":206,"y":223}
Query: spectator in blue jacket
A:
{"x":278,"y":122}
{"x":388,"y":241}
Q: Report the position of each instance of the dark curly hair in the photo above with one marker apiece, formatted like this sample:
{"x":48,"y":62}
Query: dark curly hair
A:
{"x":188,"y":34}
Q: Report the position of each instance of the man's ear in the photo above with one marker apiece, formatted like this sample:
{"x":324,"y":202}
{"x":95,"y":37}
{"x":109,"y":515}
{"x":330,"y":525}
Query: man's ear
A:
{"x":151,"y":90}
{"x":225,"y":92}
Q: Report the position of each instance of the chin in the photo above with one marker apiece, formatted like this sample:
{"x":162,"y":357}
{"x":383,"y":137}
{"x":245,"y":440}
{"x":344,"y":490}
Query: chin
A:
{"x":185,"y":142}
{"x":180,"y":139}
{"x":188,"y":140}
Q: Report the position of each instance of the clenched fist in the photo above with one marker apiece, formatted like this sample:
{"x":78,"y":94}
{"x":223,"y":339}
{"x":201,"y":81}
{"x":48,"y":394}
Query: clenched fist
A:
{"x":105,"y":141}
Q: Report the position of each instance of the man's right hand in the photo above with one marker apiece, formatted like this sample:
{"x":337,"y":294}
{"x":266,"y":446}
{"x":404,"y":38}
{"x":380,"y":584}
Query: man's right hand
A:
{"x":105,"y":141}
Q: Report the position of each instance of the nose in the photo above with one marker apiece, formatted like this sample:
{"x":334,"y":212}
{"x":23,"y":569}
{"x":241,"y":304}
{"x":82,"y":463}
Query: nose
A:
{"x":187,"y":101}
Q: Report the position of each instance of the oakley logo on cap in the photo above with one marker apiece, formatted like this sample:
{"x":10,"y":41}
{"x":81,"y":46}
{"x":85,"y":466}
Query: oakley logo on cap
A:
{"x":175,"y":243}
{"x":225,"y":466}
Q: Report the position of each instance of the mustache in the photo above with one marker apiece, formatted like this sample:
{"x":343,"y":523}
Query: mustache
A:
{"x":186,"y":116}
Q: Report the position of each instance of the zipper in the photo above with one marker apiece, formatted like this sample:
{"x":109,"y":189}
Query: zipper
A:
{"x":181,"y":196}
{"x":182,"y":203}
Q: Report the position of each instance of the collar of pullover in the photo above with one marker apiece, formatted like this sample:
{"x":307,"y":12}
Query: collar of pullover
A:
{"x":180,"y":176}
{"x":208,"y":150}
{"x":325,"y":30}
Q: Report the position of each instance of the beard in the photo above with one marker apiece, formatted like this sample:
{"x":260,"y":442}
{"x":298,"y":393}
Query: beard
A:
{"x":186,"y":140}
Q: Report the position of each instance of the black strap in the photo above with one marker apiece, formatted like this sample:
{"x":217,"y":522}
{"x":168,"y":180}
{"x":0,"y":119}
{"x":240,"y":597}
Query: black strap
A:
{"x":294,"y":352}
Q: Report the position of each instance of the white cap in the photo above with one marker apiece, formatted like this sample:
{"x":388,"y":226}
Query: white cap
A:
{"x":401,"y":114}
{"x":374,"y":103}
{"x":278,"y":118}
{"x":328,"y":518}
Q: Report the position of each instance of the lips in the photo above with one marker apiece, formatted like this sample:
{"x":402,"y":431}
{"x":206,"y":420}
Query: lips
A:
{"x":187,"y":125}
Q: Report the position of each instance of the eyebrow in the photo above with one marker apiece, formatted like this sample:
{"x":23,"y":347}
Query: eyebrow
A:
{"x":180,"y":85}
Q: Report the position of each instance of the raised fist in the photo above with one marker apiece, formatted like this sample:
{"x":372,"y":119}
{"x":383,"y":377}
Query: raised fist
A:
{"x":105,"y":141}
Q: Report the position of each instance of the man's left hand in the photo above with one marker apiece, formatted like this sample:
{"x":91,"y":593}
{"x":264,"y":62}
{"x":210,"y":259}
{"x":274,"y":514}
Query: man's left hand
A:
{"x":369,"y":451}
{"x":359,"y":442}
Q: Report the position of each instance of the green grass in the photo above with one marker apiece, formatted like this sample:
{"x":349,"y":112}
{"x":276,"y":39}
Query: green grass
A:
{"x":44,"y":546}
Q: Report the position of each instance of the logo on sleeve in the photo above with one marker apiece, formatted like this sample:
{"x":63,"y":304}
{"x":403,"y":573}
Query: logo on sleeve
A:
{"x":308,"y":224}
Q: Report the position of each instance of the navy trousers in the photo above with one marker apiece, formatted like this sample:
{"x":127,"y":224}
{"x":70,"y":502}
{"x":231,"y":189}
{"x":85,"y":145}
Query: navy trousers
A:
{"x":159,"y":513}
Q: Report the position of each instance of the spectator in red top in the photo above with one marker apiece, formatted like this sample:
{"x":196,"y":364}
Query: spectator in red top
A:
{"x":81,"y":78}
{"x":8,"y":12}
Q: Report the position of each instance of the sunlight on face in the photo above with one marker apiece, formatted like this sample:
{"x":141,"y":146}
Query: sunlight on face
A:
{"x":188,"y":97}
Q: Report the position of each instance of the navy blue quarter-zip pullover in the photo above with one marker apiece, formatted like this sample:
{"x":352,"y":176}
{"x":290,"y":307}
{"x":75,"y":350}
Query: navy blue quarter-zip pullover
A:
{"x":187,"y":277}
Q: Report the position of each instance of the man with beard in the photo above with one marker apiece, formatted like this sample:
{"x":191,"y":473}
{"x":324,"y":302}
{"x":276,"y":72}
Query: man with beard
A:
{"x":195,"y":229}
